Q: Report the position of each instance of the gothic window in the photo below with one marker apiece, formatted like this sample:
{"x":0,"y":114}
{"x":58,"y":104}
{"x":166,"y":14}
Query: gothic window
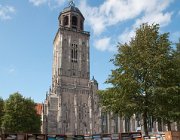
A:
{"x":138,"y":119}
{"x":104,"y":122}
{"x":160,"y":125}
{"x":66,"y":20}
{"x":150,"y":123}
{"x":116,"y":123}
{"x":127,"y":124}
{"x":74,"y":53}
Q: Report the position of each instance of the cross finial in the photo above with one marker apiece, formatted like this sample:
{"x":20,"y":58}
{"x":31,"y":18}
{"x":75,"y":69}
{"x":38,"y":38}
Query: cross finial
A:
{"x":71,"y":3}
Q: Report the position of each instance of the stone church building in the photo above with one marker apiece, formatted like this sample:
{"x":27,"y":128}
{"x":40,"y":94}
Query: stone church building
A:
{"x":71,"y":104}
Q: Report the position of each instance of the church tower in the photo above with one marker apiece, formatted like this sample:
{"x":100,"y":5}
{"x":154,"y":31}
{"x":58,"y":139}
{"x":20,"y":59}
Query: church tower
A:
{"x":71,"y":105}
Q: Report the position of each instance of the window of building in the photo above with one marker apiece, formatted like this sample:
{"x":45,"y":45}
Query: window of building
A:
{"x":81,"y":25}
{"x":83,"y":43}
{"x":74,"y":20}
{"x":74,"y":53}
{"x":127,"y":124}
{"x":160,"y":125}
{"x":116,"y":123}
{"x":104,"y":123}
{"x":66,"y":20}
{"x":150,"y":123}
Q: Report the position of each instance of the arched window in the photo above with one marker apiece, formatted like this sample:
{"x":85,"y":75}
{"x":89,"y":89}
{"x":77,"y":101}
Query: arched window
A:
{"x":74,"y":53}
{"x":66,"y":20}
{"x":116,"y":123}
{"x":127,"y":124}
{"x":74,"y":20}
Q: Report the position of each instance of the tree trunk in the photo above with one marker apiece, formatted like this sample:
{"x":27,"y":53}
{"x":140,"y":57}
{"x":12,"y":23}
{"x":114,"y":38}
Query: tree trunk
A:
{"x":145,"y":123}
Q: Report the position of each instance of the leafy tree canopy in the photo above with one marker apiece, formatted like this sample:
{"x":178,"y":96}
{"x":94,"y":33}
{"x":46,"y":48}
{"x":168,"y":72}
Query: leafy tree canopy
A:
{"x":20,"y":115}
{"x":144,"y":77}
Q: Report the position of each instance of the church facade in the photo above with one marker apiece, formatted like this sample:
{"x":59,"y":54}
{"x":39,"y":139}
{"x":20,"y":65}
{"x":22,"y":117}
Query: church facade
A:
{"x":71,"y":105}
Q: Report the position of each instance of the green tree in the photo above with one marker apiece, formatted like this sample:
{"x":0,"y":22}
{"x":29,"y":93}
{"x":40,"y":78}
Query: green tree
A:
{"x":20,"y":115}
{"x":168,"y":90}
{"x":1,"y":110}
{"x":138,"y":75}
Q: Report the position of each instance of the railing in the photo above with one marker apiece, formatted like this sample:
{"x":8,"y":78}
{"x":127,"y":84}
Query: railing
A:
{"x":74,"y":30}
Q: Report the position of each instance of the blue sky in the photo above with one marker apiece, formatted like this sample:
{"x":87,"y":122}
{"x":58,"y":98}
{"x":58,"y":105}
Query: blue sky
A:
{"x":28,"y":27}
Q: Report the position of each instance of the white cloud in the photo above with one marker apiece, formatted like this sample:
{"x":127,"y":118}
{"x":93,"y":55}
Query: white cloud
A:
{"x":179,"y":12}
{"x":94,"y":18}
{"x":126,"y":36}
{"x":157,"y":18}
{"x":59,"y":2}
{"x":104,"y":44}
{"x":6,"y":12}
{"x":174,"y":37}
{"x":12,"y":70}
{"x":112,"y":12}
{"x":153,"y":14}
{"x":55,"y":3}
{"x":50,"y":3}
{"x":37,"y":2}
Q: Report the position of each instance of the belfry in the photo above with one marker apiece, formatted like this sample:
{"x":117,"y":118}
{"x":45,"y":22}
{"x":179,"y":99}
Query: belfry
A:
{"x":71,"y":105}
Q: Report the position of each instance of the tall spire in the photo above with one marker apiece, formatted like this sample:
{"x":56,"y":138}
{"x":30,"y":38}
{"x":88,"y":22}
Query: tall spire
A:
{"x":71,"y":3}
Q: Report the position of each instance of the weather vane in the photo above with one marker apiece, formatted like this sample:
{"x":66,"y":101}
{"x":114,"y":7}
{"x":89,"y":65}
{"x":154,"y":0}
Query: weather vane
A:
{"x":71,"y":3}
